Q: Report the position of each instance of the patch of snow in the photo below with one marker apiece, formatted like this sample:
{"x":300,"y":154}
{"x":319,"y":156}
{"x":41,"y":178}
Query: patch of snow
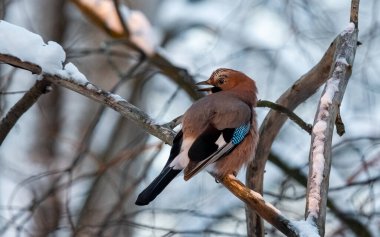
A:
{"x":319,"y":130}
{"x":71,"y":72}
{"x":332,"y":87}
{"x":319,"y":127}
{"x":305,"y":228}
{"x":116,"y":97}
{"x":342,"y":60}
{"x":30,"y":47}
{"x":273,"y":207}
{"x":91,"y":87}
{"x":258,"y":196}
{"x":349,"y":29}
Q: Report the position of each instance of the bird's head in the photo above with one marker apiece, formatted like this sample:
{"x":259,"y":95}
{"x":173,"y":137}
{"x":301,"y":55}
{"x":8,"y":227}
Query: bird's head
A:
{"x":224,"y":79}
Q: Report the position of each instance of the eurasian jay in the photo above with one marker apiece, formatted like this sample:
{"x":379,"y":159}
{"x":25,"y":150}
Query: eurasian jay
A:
{"x":218,"y":131}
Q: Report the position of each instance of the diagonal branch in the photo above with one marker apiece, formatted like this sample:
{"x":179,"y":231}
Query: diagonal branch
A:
{"x":113,"y":101}
{"x":300,"y":91}
{"x":27,"y":101}
{"x":291,"y":115}
{"x":257,"y":203}
{"x":332,"y":96}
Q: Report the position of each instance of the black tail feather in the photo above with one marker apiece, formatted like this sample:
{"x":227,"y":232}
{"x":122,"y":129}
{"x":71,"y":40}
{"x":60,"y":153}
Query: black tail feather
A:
{"x":156,"y":187}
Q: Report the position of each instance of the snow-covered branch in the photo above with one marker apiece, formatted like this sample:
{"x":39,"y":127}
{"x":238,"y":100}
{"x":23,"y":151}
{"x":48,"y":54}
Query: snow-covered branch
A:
{"x":320,"y":152}
{"x":299,"y":92}
{"x":31,"y":53}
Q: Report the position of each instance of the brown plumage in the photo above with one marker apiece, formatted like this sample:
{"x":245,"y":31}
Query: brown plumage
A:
{"x":218,"y":130}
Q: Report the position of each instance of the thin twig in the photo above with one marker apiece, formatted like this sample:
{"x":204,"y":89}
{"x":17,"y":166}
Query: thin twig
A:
{"x":291,"y":115}
{"x":339,"y":124}
{"x":29,"y":98}
{"x":16,"y":62}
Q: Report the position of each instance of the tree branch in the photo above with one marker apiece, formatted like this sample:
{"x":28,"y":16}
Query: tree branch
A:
{"x":291,"y":115}
{"x":331,"y":98}
{"x":16,"y":62}
{"x":291,"y":98}
{"x":339,"y":124}
{"x":27,"y":101}
{"x":113,"y":101}
{"x":257,"y":203}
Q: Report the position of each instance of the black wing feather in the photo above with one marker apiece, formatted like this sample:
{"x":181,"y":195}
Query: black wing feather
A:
{"x":204,"y":145}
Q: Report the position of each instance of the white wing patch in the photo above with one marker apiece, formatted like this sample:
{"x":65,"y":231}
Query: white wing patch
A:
{"x":220,"y":142}
{"x":182,"y":159}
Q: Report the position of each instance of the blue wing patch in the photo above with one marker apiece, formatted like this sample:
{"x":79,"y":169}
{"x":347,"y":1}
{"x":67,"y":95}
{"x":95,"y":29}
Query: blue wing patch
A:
{"x":240,"y":133}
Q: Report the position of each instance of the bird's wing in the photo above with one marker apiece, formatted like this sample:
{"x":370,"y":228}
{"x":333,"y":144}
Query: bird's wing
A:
{"x":164,"y":178}
{"x":234,"y":138}
{"x":230,"y":113}
{"x":228,"y":125}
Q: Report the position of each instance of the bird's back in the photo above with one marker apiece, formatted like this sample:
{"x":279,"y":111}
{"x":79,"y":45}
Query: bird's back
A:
{"x":221,"y":110}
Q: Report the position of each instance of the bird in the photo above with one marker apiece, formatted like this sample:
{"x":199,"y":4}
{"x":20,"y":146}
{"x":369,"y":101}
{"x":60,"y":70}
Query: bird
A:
{"x":219,"y":132}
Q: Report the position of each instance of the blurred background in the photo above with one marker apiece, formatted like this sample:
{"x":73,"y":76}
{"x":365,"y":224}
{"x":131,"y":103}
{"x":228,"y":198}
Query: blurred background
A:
{"x":71,"y":167}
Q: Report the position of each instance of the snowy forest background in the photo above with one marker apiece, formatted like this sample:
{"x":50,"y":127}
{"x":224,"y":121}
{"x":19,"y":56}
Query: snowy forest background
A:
{"x":71,"y":166}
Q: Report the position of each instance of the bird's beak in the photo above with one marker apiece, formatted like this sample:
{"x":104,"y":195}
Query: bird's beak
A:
{"x":207,"y":82}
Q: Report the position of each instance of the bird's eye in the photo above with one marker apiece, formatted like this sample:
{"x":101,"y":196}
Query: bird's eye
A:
{"x":221,"y":81}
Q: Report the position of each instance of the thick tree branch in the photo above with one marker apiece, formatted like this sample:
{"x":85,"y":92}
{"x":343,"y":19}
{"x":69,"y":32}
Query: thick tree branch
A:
{"x":332,"y":96}
{"x":302,"y":89}
{"x":257,"y":203}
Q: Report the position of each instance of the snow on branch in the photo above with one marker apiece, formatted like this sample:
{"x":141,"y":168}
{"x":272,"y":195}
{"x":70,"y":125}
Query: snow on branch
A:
{"x":27,"y":50}
{"x":320,"y":153}
{"x":29,"y":47}
{"x":296,"y":94}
